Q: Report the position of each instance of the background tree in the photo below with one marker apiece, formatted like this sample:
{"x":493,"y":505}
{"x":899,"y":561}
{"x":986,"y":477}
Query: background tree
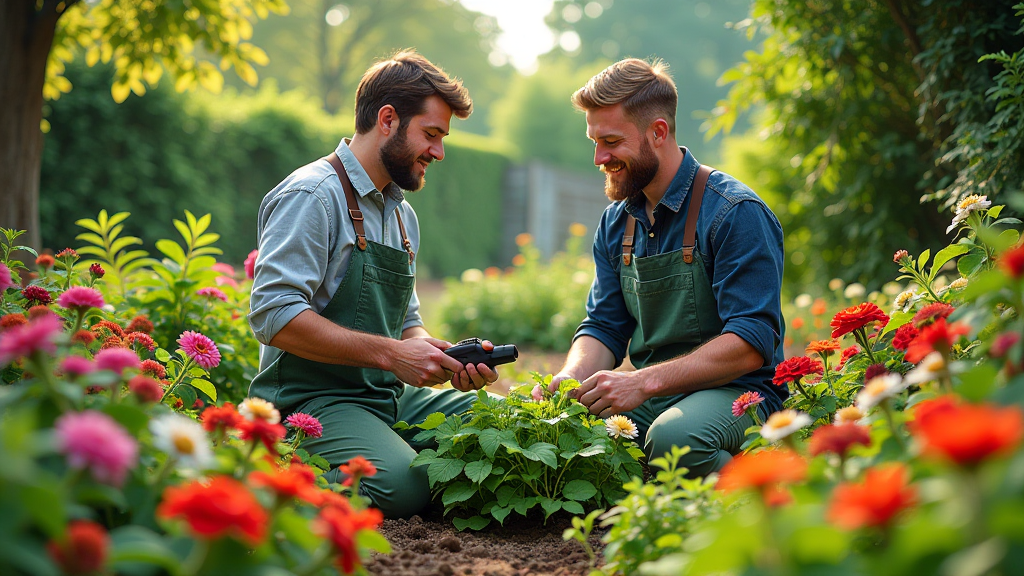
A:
{"x":140,"y":40}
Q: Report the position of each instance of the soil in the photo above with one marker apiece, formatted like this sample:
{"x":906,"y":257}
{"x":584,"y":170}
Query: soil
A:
{"x":430,"y":545}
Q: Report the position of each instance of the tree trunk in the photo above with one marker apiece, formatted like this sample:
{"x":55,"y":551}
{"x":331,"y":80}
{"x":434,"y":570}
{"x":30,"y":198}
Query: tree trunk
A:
{"x":26,"y":36}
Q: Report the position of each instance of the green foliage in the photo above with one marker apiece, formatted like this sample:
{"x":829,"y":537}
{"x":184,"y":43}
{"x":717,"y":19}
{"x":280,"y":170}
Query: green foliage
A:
{"x":108,"y":247}
{"x":8,"y":247}
{"x":535,"y":303}
{"x":516,"y":454}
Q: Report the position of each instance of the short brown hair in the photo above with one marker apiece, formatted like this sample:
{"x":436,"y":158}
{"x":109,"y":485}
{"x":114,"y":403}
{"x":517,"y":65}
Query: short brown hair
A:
{"x":405,"y":81}
{"x":645,"y":90}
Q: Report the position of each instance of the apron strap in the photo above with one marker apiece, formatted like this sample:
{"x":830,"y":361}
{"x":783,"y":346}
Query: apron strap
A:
{"x":627,"y":240}
{"x":690,"y":231}
{"x":350,"y":197}
{"x":405,"y":238}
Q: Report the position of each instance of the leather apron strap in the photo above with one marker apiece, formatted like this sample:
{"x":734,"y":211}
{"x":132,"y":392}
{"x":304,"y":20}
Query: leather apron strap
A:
{"x":700,"y":182}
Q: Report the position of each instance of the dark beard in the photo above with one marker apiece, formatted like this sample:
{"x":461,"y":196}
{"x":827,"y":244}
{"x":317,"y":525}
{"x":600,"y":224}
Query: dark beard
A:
{"x":639,"y":172}
{"x":399,"y":162}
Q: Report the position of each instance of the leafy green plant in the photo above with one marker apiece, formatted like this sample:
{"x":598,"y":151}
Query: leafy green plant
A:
{"x":517,"y":453}
{"x":109,"y":247}
{"x":8,"y":247}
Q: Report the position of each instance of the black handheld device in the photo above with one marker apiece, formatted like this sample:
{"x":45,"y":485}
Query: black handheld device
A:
{"x":471,"y":351}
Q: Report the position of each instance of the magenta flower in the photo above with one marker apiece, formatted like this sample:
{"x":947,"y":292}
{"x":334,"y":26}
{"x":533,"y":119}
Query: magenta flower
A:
{"x":5,"y":278}
{"x":76,"y":366}
{"x":95,"y":441}
{"x":81,"y":298}
{"x":39,"y":335}
{"x":250,"y":264}
{"x":117,"y":360}
{"x":745,"y":402}
{"x":200,"y":348}
{"x":309,"y":425}
{"x":212,"y":293}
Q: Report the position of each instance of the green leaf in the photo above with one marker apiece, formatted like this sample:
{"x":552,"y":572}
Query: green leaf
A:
{"x":373,"y":540}
{"x":572,"y":507}
{"x":489,"y":440}
{"x":523,"y":505}
{"x":669,"y":541}
{"x":444,"y":470}
{"x":945,"y":255}
{"x":206,"y":387}
{"x":479,"y":470}
{"x":133,"y":419}
{"x":505,"y":495}
{"x":172,"y":250}
{"x":426,"y":456}
{"x":978,"y":383}
{"x":922,"y":260}
{"x":591,"y":451}
{"x":550,"y":506}
{"x":432,"y":421}
{"x":458,"y":492}
{"x":500,"y":513}
{"x":969,"y":263}
{"x":132,"y":545}
{"x":896,"y":320}
{"x":542,"y":452}
{"x":581,"y":490}
{"x":473,"y":523}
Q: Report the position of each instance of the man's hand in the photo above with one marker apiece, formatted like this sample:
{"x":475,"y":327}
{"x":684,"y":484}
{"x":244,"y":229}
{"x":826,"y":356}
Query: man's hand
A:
{"x":475,"y":377}
{"x":557,"y":379}
{"x":422,"y":362}
{"x":607,"y":393}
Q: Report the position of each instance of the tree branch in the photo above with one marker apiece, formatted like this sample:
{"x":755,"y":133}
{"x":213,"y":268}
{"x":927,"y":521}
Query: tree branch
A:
{"x":908,"y":31}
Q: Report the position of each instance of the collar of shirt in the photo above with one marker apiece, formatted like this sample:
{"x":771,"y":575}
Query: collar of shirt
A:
{"x":360,"y":179}
{"x":676,"y":193}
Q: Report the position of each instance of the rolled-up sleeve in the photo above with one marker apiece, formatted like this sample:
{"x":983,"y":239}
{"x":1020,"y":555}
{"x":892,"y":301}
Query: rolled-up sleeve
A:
{"x":608,"y":320}
{"x":747,"y":279}
{"x":292,"y":262}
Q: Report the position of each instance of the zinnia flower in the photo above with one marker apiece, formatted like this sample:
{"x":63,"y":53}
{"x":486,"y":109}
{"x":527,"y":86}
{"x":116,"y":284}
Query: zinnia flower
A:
{"x":970,"y":204}
{"x":140,"y":324}
{"x":259,"y":409}
{"x":793,"y":369}
{"x":200,"y":349}
{"x":932,"y":367}
{"x":358,"y":466}
{"x":899,"y":256}
{"x":225,"y":417}
{"x":83,"y":337}
{"x":340,"y":527}
{"x":783,"y":423}
{"x":74,"y":366}
{"x":221,"y":507}
{"x":904,"y":336}
{"x":876,"y":501}
{"x":140,"y":339}
{"x":182,"y":439}
{"x":931,"y":313}
{"x":36,"y":295}
{"x":1012,"y":262}
{"x":760,"y":470}
{"x":309,"y":425}
{"x":878,"y":389}
{"x":146,"y":389}
{"x":619,"y":425}
{"x":12,"y":320}
{"x":68,"y":253}
{"x":107,"y":328}
{"x":82,"y":550}
{"x":849,"y":415}
{"x":938,"y":337}
{"x":824,"y":347}
{"x":222,"y":268}
{"x":847,"y":354}
{"x":39,"y":335}
{"x":838,"y":439}
{"x":857,"y":317}
{"x":213,"y":293}
{"x":819,"y":307}
{"x":966,"y":434}
{"x":262,"y":431}
{"x":746,"y":401}
{"x":97,"y":271}
{"x":250,"y":264}
{"x":296,"y":481}
{"x":40,"y":310}
{"x":1002,"y":344}
{"x":117,"y":360}
{"x":5,"y":278}
{"x":874,"y":371}
{"x":95,"y":441}
{"x":904,"y":300}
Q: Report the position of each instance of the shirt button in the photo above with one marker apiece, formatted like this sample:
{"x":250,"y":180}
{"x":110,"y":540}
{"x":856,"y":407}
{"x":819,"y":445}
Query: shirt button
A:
{"x":651,"y":234}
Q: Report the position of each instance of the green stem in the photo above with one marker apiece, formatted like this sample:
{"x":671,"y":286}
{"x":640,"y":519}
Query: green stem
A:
{"x":196,"y":558}
{"x":861,"y":336}
{"x":163,"y":472}
{"x":975,"y":505}
{"x":891,"y":419}
{"x":177,"y":379}
{"x":320,"y":560}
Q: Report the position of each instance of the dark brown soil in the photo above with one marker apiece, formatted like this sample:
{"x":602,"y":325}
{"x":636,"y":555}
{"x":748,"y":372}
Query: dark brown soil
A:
{"x":431,"y":546}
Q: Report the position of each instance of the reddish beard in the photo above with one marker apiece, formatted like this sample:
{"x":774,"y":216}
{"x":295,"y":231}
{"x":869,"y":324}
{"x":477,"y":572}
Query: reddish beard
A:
{"x":637,"y":173}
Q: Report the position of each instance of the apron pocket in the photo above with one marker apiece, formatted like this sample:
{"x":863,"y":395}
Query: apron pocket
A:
{"x":666,"y":310}
{"x":380,"y":290}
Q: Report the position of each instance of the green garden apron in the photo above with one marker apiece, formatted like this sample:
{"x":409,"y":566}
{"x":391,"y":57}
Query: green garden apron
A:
{"x":373,"y":297}
{"x":671,"y":298}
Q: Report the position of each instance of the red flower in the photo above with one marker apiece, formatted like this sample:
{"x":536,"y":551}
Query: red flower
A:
{"x":221,"y":507}
{"x":824,"y":347}
{"x":96,"y":271}
{"x":903,"y":336}
{"x":296,"y":481}
{"x":224,"y":416}
{"x":340,"y":527}
{"x":146,"y":389}
{"x":938,"y":336}
{"x":45,"y":261}
{"x":67,"y":253}
{"x":847,"y":354}
{"x":899,"y":256}
{"x":263,"y":431}
{"x":107,"y":328}
{"x":140,"y":339}
{"x":37,"y":294}
{"x":40,"y":310}
{"x":83,"y":337}
{"x":793,"y":369}
{"x":838,"y":438}
{"x":856,"y":317}
{"x":965,"y":433}
{"x":140,"y":324}
{"x":931,"y":313}
{"x":885,"y":492}
{"x":154,"y":369}
{"x":12,"y":320}
{"x":776,"y":496}
{"x":874,"y":371}
{"x":1012,"y":262}
{"x":358,"y":466}
{"x":761,"y":470}
{"x":82,"y":550}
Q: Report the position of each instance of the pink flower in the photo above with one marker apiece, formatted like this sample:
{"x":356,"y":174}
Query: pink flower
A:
{"x":117,"y":360}
{"x":225,"y":281}
{"x":81,"y":298}
{"x":141,"y":339}
{"x":5,"y":278}
{"x":96,"y":271}
{"x":213,"y":293}
{"x":95,"y":441}
{"x":146,"y":389}
{"x":537,"y":393}
{"x":200,"y":348}
{"x":226,"y":269}
{"x":250,"y":264}
{"x":39,"y":335}
{"x":76,"y":366}
{"x":745,"y":402}
{"x":309,"y":425}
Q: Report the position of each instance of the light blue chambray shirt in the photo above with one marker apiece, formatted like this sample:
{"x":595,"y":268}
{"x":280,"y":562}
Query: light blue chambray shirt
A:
{"x":305,"y":239}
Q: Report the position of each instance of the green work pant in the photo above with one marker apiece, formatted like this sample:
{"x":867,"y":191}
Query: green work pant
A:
{"x":702,"y":420}
{"x":352,"y":429}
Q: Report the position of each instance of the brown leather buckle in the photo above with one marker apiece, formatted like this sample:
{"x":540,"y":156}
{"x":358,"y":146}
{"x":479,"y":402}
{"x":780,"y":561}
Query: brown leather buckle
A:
{"x":688,"y":254}
{"x":356,"y":215}
{"x":361,"y":242}
{"x":627,"y":258}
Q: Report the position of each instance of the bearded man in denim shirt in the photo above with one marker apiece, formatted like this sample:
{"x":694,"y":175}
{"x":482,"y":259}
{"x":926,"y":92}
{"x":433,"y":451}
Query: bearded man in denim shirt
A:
{"x":689,"y":274}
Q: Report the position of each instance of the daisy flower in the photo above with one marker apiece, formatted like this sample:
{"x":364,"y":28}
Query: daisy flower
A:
{"x":619,"y":425}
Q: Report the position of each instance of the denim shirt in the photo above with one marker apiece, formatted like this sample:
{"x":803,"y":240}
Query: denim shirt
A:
{"x":305,"y":239}
{"x":741,"y":242}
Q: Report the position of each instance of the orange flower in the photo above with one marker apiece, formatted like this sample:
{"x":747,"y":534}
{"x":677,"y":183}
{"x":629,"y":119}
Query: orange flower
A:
{"x":518,"y":260}
{"x":819,"y":307}
{"x":856,"y":317}
{"x":762,"y":470}
{"x":262,"y":431}
{"x":798,"y":323}
{"x":296,"y":481}
{"x":523,"y":239}
{"x":222,"y":507}
{"x":965,"y":433}
{"x":874,"y":502}
{"x":340,"y":527}
{"x":938,"y":337}
{"x":83,"y":549}
{"x":492,"y":272}
{"x":838,"y":438}
{"x":776,"y":496}
{"x":1012,"y":262}
{"x":12,"y":320}
{"x":225,"y":417}
{"x":824,"y":347}
{"x":358,"y":466}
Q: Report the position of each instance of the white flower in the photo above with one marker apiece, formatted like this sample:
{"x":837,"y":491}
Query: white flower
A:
{"x":259,"y":409}
{"x":932,"y":367}
{"x":472,"y":275}
{"x":582,"y":277}
{"x":878,"y":389}
{"x":619,"y":425}
{"x":183,"y":439}
{"x":836,"y":284}
{"x":855,"y":291}
{"x":849,"y":415}
{"x":905,"y":299}
{"x":969,"y":204}
{"x":803,"y":300}
{"x":783,"y":423}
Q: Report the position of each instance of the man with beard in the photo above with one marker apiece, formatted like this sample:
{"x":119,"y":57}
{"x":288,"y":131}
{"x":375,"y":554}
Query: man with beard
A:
{"x":334,"y":300}
{"x":689,"y":275}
